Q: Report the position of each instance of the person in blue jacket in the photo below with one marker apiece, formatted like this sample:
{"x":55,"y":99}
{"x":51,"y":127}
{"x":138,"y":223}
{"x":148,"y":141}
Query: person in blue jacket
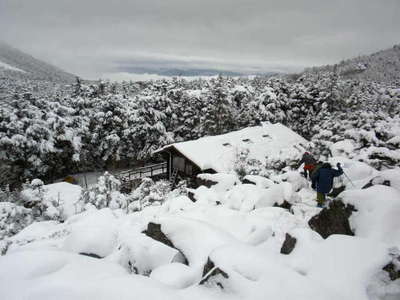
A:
{"x":322,"y":181}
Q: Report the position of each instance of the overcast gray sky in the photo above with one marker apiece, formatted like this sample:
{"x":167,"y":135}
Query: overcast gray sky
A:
{"x":95,"y":37}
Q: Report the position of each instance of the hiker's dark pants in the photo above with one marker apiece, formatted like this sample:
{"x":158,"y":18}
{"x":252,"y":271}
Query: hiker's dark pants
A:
{"x":307,"y":173}
{"x":321,"y":198}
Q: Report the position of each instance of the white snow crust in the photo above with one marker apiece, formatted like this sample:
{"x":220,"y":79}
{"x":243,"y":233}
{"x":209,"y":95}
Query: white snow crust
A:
{"x":232,"y":224}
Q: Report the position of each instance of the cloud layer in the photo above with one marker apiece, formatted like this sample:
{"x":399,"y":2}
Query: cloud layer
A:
{"x":94,"y":37}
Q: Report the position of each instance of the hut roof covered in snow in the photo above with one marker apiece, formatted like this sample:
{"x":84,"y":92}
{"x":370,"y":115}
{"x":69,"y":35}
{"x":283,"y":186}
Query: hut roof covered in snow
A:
{"x":219,"y":152}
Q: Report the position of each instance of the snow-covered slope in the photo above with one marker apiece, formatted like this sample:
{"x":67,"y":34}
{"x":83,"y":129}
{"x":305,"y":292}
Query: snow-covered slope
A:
{"x":17,"y":64}
{"x":226,"y":245}
{"x":382,"y":66}
{"x":8,"y":67}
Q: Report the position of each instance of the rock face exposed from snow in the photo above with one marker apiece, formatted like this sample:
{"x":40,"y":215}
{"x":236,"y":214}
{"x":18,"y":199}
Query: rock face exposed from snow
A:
{"x":210,"y":271}
{"x":154,"y":231}
{"x":332,"y":220}
{"x":289,"y":244}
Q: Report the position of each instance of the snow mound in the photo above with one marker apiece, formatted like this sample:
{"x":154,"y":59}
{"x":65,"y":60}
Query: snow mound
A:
{"x":342,"y":148}
{"x":95,"y":234}
{"x":339,"y":262}
{"x":195,"y":239}
{"x":377,"y":215}
{"x":356,"y":172}
{"x":225,"y":245}
{"x":176,"y":275}
{"x":244,"y":197}
{"x":55,"y":274}
{"x":259,"y":181}
{"x":392,"y":175}
{"x":223,"y":182}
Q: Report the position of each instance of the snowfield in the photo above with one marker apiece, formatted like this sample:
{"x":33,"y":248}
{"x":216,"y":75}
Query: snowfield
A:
{"x":8,"y":67}
{"x":226,"y":245}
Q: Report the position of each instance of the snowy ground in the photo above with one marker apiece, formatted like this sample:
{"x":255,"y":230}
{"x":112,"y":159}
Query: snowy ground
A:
{"x":234,"y":225}
{"x":8,"y":67}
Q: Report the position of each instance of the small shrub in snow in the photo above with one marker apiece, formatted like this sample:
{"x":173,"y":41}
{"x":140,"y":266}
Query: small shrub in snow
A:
{"x":33,"y":196}
{"x":181,"y":189}
{"x":148,"y":193}
{"x":13,"y":218}
{"x":393,"y":268}
{"x":80,"y":204}
{"x":380,"y":157}
{"x":275,"y":163}
{"x":3,"y":196}
{"x":246,"y":166}
{"x":104,"y":194}
{"x":6,"y":195}
{"x":240,"y":162}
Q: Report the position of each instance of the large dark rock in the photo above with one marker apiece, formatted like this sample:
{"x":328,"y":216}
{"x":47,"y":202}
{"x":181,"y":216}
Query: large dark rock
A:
{"x":191,"y":196}
{"x":289,"y":244}
{"x":377,"y":180}
{"x":336,"y":191}
{"x":154,"y":231}
{"x":247,"y":181}
{"x":333,"y":220}
{"x":393,"y":271}
{"x":207,"y":275}
{"x":206,"y":182}
{"x":382,"y":160}
{"x":393,"y":268}
{"x":94,"y":255}
{"x":285,"y":205}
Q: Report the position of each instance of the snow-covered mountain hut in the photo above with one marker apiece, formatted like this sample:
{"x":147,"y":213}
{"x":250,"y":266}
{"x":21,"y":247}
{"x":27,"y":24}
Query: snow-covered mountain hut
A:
{"x":219,"y":154}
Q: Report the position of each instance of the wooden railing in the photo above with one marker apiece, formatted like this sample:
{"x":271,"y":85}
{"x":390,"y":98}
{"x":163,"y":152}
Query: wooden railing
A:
{"x":146,"y":171}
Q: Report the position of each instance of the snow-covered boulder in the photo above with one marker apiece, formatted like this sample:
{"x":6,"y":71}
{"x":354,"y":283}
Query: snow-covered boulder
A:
{"x":256,"y":274}
{"x":244,"y":197}
{"x":140,"y":254}
{"x":219,"y":182}
{"x":259,"y":181}
{"x":295,"y":179}
{"x":343,"y":148}
{"x":355,"y":170}
{"x":13,"y":218}
{"x":377,"y":213}
{"x":176,"y":275}
{"x":57,"y":274}
{"x":177,"y":204}
{"x":92,"y":233}
{"x":195,"y":239}
{"x":393,"y":176}
{"x":277,"y":195}
{"x":206,"y":195}
{"x":342,"y":264}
